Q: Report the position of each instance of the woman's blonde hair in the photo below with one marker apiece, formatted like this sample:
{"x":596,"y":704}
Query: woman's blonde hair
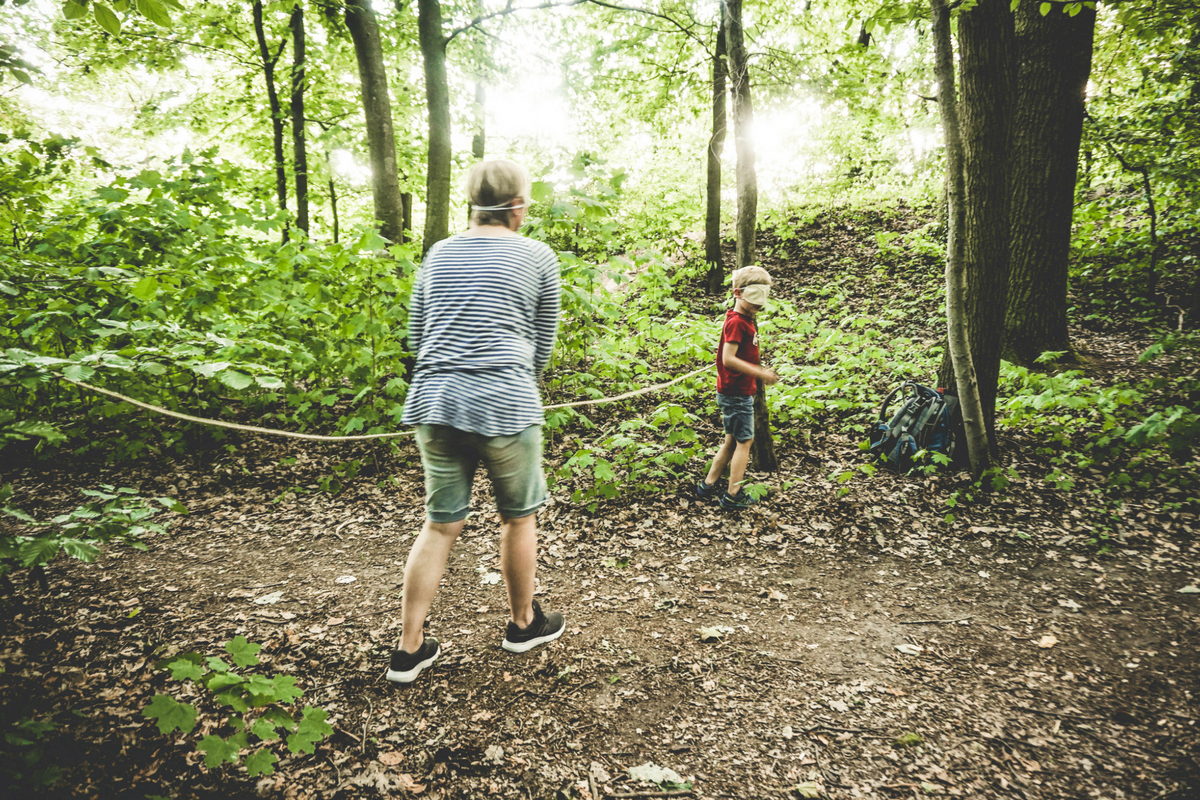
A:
{"x":495,"y":183}
{"x":749,"y":276}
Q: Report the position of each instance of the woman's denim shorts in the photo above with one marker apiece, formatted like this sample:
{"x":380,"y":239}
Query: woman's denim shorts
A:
{"x":737,"y":415}
{"x":513,"y":464}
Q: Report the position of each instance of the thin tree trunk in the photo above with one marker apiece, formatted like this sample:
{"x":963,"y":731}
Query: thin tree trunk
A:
{"x":333,"y":198}
{"x":377,"y":108}
{"x":268,"y":65}
{"x":762,"y":452}
{"x":299,"y":150}
{"x":987,"y":61}
{"x":1055,"y":60}
{"x":743,"y":116}
{"x":956,"y":308}
{"x":715,"y":278}
{"x":478,"y":139}
{"x":437,"y":95}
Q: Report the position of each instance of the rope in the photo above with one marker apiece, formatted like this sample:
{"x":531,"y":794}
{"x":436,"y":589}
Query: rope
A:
{"x":319,"y":438}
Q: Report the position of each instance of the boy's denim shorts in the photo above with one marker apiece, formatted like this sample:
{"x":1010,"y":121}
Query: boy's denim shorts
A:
{"x":737,"y":415}
{"x":451,"y":456}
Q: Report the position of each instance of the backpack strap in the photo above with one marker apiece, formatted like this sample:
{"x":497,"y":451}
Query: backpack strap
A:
{"x":887,"y":401}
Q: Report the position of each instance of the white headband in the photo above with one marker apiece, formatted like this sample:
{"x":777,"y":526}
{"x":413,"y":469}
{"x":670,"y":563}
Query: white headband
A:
{"x":499,"y":208}
{"x":756,"y":293}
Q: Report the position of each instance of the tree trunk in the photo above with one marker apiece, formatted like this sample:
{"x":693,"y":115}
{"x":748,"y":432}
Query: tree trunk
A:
{"x":715,"y":279}
{"x":956,"y":308}
{"x":299,"y":153}
{"x":437,"y":95}
{"x":268,"y":65}
{"x":377,"y":107}
{"x":1055,"y":60}
{"x":478,"y":139}
{"x":333,"y":198}
{"x":762,"y":452}
{"x":987,"y":60}
{"x":743,"y":117}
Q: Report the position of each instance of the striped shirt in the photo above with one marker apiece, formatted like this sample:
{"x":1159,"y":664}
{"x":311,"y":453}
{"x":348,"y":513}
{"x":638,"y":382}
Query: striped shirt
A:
{"x":482,"y":320}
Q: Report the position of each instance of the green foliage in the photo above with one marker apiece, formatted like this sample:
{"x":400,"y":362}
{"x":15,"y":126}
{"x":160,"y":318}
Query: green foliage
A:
{"x":112,"y":515}
{"x":259,"y":709}
{"x":24,"y":767}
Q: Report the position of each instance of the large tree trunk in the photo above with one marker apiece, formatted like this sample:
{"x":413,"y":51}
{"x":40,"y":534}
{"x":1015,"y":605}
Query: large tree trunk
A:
{"x":957,"y":323}
{"x":268,"y":65}
{"x":437,"y":95}
{"x":743,"y":116}
{"x":377,"y":107}
{"x":986,"y":56}
{"x":299,"y":150}
{"x":715,"y":278}
{"x":1055,"y":60}
{"x":762,"y":452}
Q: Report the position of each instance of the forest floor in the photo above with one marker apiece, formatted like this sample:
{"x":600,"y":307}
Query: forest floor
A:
{"x":859,"y":647}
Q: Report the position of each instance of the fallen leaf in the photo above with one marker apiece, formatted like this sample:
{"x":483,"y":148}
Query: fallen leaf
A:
{"x":910,"y":649}
{"x":808,"y":789}
{"x":391,"y":758}
{"x":408,"y":784}
{"x":1189,"y":590}
{"x":495,"y":754}
{"x":775,"y":594}
{"x":652,"y":773}
{"x":491,"y":578}
{"x":335,"y":620}
{"x":1071,"y":604}
{"x":346,"y":579}
{"x":1048,"y":641}
{"x":269,"y":599}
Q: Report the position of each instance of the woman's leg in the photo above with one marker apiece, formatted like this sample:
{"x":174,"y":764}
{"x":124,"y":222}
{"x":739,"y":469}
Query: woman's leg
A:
{"x":422,"y":574}
{"x":518,"y":565}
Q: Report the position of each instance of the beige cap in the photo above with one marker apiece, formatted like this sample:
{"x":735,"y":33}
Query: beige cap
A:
{"x":756,"y":293}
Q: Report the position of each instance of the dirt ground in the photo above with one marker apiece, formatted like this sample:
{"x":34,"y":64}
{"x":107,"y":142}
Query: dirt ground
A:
{"x":855,"y":647}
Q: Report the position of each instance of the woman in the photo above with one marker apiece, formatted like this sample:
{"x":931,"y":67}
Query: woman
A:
{"x":482,"y":320}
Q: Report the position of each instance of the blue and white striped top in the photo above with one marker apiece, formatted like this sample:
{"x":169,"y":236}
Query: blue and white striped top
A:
{"x":482,"y":320}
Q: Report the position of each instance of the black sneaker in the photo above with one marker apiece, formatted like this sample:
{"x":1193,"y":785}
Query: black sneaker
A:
{"x":405,"y":667}
{"x":707,"y":491}
{"x":544,"y":628}
{"x":736,"y":502}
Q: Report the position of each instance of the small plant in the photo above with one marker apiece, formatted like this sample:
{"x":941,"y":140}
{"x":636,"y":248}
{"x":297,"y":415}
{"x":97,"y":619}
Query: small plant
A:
{"x":113,"y":515}
{"x":23,"y":755}
{"x":259,"y":709}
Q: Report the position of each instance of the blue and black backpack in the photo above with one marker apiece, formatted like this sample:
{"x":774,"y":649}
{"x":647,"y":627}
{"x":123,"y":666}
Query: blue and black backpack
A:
{"x":926,"y":419}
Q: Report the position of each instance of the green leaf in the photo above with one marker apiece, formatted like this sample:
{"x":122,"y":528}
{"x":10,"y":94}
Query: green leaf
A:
{"x":74,"y":10}
{"x":1044,"y":8}
{"x":284,"y":689}
{"x":145,"y":289}
{"x":38,"y":551}
{"x":218,"y":750}
{"x":264,"y":730}
{"x":245,"y":654}
{"x":84,"y":551}
{"x":107,"y":18}
{"x":808,"y":789}
{"x":223,"y":680}
{"x":183,"y":669}
{"x":261,"y":763}
{"x":154,"y":11}
{"x":234,"y":379}
{"x":170,"y":714}
{"x":311,"y":730}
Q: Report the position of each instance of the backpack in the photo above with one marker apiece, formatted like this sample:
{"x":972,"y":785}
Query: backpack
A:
{"x":927,"y":419}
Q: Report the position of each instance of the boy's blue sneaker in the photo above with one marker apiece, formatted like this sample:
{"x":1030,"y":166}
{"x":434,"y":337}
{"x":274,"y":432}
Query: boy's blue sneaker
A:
{"x":707,"y":491}
{"x":738,"y":502}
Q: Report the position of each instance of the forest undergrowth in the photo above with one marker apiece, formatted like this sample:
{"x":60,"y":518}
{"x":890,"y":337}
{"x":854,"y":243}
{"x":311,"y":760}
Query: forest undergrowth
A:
{"x":857,"y":634}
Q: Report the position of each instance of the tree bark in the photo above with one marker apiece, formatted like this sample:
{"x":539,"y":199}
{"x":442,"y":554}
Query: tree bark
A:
{"x":268,"y":65}
{"x":377,"y":108}
{"x":478,"y":138}
{"x":762,"y":452}
{"x":437,"y":96}
{"x":715,"y":279}
{"x":957,"y":322}
{"x":743,"y":117}
{"x":299,"y":149}
{"x":1055,"y":60}
{"x":987,"y":61}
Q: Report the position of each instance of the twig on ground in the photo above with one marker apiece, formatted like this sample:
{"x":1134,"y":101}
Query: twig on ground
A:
{"x":673,"y":793}
{"x":934,"y":621}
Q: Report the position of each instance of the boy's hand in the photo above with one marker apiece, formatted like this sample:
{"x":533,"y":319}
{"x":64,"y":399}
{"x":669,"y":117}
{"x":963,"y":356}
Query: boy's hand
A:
{"x":769,"y":378}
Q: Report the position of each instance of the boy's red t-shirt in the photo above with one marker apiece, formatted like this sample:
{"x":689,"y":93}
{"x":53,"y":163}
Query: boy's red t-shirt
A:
{"x":741,"y":329}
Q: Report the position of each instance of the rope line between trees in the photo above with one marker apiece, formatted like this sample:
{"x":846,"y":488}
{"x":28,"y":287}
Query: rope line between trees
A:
{"x":358,"y":438}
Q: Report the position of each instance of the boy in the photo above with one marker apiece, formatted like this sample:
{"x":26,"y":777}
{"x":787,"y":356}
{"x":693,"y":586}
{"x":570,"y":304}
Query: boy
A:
{"x":738,"y":371}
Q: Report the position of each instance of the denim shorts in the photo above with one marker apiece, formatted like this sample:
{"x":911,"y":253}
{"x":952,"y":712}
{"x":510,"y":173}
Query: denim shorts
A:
{"x":451,"y":456}
{"x":737,"y":415}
